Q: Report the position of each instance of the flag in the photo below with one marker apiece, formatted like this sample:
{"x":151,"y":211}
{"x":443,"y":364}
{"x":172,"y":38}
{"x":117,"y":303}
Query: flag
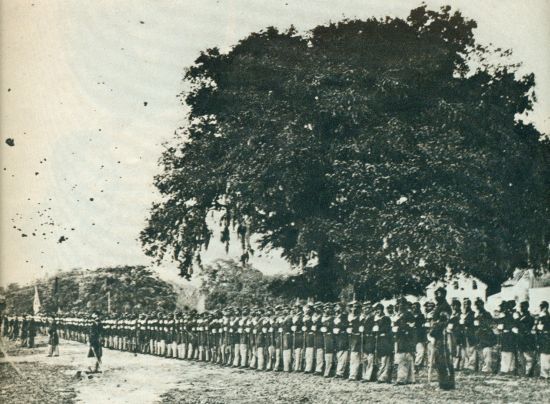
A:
{"x":36,"y":304}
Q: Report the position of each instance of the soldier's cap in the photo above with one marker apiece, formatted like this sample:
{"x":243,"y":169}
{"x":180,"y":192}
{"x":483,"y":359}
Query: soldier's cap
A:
{"x":379,"y":306}
{"x":429,"y":304}
{"x":511,"y":304}
{"x":455,"y":302}
{"x":543,"y":304}
{"x":525,"y":303}
{"x":478,"y":302}
{"x":466,"y":299}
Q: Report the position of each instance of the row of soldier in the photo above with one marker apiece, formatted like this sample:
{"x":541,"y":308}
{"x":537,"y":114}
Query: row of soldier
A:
{"x":360,"y":341}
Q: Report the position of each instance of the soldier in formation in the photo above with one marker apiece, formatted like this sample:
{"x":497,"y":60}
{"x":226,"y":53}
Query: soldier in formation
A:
{"x":358,"y":341}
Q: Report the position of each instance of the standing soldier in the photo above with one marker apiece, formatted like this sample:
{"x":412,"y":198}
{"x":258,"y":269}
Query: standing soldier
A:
{"x":368,"y":358}
{"x":543,"y":339}
{"x":507,"y":331}
{"x":278,"y":337}
{"x":309,"y":330}
{"x":95,"y":337}
{"x":170,"y":330}
{"x":53,"y":340}
{"x":383,"y":344}
{"x":328,"y":338}
{"x":225,"y":337}
{"x":271,"y":343}
{"x":243,"y":338}
{"x":31,"y":331}
{"x":316,"y":323}
{"x":355,"y":336}
{"x":297,"y":337}
{"x":252,"y":332}
{"x":287,"y":339}
{"x":5,"y":325}
{"x":405,"y":343}
{"x":467,"y":323}
{"x":261,"y":339}
{"x":339,"y":327}
{"x":456,"y":341}
{"x":443,"y":359}
{"x":526,"y":339}
{"x":484,"y":335}
{"x":235,"y":337}
{"x":24,"y":331}
{"x":419,"y":335}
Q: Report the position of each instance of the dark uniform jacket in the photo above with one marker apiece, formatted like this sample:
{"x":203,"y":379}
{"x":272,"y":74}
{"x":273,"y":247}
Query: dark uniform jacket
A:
{"x":508,"y":338}
{"x":467,"y":323}
{"x":483,"y":329}
{"x":419,"y":328}
{"x":383,"y":335}
{"x":297,"y":333}
{"x":339,"y":326}
{"x":404,"y":333}
{"x":354,"y":333}
{"x":526,"y":336}
{"x":53,"y":335}
{"x":309,"y":333}
{"x":367,"y":322}
{"x":543,"y":333}
{"x":328,"y":336}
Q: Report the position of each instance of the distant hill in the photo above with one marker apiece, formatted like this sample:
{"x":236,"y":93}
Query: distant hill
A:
{"x":133,"y":289}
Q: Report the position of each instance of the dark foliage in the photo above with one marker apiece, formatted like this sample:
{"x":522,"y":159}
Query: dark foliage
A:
{"x":132,"y":290}
{"x":227,"y":283}
{"x":375,"y":153}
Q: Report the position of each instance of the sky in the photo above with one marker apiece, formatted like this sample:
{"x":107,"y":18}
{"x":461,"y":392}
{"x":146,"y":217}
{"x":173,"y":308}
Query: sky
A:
{"x":88,"y":95}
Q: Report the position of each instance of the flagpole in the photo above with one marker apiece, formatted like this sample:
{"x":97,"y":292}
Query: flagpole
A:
{"x":109,"y":302}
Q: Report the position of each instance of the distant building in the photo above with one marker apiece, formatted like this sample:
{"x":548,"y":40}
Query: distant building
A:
{"x":523,"y":286}
{"x":458,"y":287}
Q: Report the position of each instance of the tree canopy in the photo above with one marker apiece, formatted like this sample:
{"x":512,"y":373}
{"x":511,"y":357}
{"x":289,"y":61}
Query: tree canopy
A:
{"x":378,"y":153}
{"x":133,"y":289}
{"x":226,"y":282}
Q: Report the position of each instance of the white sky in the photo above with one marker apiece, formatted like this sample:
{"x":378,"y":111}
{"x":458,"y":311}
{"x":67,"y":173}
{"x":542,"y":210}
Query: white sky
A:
{"x":74,"y":78}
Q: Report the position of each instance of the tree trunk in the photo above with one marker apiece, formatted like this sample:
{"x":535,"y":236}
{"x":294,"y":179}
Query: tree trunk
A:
{"x":327,"y":280}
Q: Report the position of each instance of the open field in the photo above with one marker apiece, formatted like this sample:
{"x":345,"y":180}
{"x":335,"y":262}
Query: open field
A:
{"x":30,"y":376}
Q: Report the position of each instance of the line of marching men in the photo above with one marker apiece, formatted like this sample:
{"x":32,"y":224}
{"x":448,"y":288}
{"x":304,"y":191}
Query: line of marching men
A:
{"x":359,"y":341}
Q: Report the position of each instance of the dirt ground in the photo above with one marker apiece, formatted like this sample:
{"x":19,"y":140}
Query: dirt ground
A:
{"x":29,"y":376}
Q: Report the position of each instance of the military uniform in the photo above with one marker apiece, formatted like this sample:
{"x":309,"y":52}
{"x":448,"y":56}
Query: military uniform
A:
{"x":328,"y":339}
{"x":354,"y":331}
{"x":507,"y":335}
{"x":485,"y":337}
{"x":542,"y":327}
{"x":368,"y":360}
{"x":469,"y":352}
{"x":383,"y":344}
{"x":403,"y":330}
{"x":526,"y":339}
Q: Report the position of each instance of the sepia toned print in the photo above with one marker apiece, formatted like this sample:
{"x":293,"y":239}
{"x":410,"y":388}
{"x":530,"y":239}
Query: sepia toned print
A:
{"x":236,"y":202}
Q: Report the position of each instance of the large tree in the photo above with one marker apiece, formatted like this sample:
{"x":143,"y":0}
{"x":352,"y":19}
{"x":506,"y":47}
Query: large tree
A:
{"x":378,"y":153}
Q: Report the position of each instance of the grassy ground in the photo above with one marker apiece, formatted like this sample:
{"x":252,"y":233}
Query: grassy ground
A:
{"x":28,"y":376}
{"x":32,"y":381}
